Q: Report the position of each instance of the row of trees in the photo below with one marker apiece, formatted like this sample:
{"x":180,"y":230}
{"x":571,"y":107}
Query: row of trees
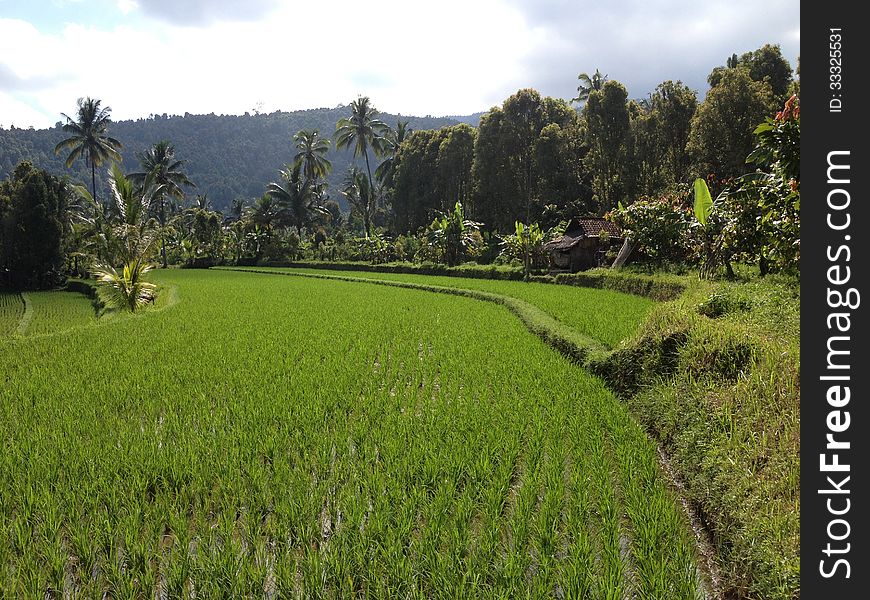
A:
{"x":534,"y":160}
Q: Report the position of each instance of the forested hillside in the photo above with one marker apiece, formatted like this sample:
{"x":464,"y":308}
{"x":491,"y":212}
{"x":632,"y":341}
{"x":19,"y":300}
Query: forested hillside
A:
{"x":228,"y":156}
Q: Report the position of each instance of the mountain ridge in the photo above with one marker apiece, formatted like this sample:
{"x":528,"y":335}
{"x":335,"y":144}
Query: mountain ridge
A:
{"x":226,"y":156}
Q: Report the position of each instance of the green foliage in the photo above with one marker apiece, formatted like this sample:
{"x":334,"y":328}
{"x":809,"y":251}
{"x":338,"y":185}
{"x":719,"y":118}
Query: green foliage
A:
{"x":361,"y":131}
{"x":527,"y":245}
{"x":517,"y":146}
{"x":608,"y":128}
{"x":33,"y":207}
{"x":161,"y":176}
{"x":765,"y":64}
{"x":294,"y":202}
{"x":430,"y":168}
{"x":128,"y":289}
{"x":311,"y":155}
{"x":453,"y":237}
{"x":703,"y":202}
{"x":721,"y":135}
{"x":770,"y":197}
{"x":721,"y":390}
{"x":88,"y":137}
{"x":659,"y":226}
{"x":588,"y":85}
{"x":362,"y":197}
{"x":229,"y":156}
{"x":719,"y":304}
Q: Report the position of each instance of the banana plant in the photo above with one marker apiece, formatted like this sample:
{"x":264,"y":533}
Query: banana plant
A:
{"x":705,"y":209}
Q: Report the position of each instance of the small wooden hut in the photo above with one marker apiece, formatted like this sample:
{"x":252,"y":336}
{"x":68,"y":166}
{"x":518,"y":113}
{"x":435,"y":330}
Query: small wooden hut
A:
{"x":583,"y":245}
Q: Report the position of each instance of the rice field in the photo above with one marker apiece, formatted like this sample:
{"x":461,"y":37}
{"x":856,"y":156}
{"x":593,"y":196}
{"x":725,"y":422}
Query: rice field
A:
{"x":44,"y":312}
{"x":604,"y":315}
{"x":272,"y":437}
{"x":11,"y":312}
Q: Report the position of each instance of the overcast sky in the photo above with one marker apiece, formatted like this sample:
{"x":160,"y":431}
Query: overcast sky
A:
{"x":449,"y":57}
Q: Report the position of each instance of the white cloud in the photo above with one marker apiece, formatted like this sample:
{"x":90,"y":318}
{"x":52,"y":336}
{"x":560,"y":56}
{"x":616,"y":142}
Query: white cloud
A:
{"x":127,"y":6}
{"x":454,"y":57}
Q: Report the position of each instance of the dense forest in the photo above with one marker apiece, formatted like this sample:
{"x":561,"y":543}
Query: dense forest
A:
{"x":227,"y":156}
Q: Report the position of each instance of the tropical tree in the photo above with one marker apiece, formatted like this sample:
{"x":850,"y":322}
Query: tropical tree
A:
{"x":393,"y":138}
{"x":296,"y":203}
{"x":720,"y":137}
{"x":89,"y":138}
{"x":361,"y":131}
{"x":131,"y":238}
{"x":361,"y":196}
{"x":33,"y":232}
{"x":454,"y":235}
{"x":237,"y":208}
{"x":126,"y":289}
{"x":527,"y":244}
{"x":132,"y":228}
{"x":589,"y":84}
{"x":311,"y":155}
{"x":607,"y":129}
{"x":511,"y":159}
{"x":162,"y":170}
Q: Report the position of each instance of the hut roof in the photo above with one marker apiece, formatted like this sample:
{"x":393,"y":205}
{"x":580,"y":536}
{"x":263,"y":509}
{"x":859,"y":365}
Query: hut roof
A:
{"x":591,"y":227}
{"x":579,"y":229}
{"x":565,"y":242}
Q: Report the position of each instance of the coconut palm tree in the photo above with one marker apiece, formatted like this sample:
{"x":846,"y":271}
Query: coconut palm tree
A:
{"x":362,"y":130}
{"x":297,"y":204}
{"x":588,"y":84}
{"x":127,"y":289}
{"x":312,"y":154}
{"x":161,"y":168}
{"x":361,"y":196}
{"x":392,"y":140}
{"x":88,"y":138}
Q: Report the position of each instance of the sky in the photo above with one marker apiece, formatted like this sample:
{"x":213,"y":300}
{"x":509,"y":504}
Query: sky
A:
{"x":453,"y":57}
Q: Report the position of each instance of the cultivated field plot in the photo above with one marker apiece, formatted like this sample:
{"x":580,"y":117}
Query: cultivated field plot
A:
{"x":11,"y":311}
{"x":48,"y":312}
{"x":291,"y":437}
{"x":604,"y":315}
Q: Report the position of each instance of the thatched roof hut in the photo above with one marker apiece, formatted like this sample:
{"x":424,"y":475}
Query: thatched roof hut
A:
{"x":583,"y":244}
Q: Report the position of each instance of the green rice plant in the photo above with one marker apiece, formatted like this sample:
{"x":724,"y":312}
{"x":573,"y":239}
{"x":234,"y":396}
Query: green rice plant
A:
{"x":11,"y":312}
{"x":314,"y":438}
{"x":603,"y":315}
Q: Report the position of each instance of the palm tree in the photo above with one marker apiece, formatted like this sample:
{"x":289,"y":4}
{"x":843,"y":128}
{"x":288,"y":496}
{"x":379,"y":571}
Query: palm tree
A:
{"x":126,"y":289}
{"x":88,"y":138}
{"x":588,"y":84}
{"x":295,"y":199}
{"x":392,"y":141}
{"x":161,"y":168}
{"x":312,"y":154}
{"x":128,"y":213}
{"x":361,"y":131}
{"x":237,"y":208}
{"x":361,"y":196}
{"x":119,"y":230}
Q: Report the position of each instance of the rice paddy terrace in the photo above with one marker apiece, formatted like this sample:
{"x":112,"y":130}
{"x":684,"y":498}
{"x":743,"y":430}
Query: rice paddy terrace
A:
{"x":284,"y":436}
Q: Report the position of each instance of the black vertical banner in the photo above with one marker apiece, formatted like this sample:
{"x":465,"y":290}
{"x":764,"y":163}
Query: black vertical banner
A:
{"x":835,"y":359}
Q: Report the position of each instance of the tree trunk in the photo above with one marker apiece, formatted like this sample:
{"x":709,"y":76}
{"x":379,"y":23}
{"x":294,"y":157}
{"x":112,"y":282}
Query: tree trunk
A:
{"x":624,"y":253}
{"x":94,"y":180}
{"x":163,"y":233}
